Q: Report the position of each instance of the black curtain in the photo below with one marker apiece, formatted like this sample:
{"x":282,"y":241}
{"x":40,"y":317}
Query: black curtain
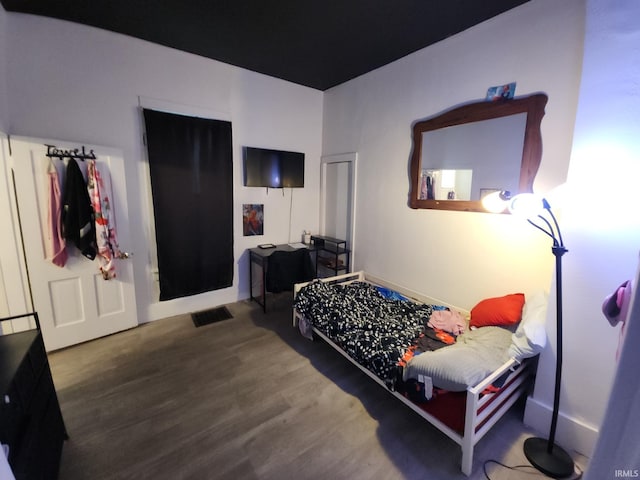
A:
{"x":191,"y":165}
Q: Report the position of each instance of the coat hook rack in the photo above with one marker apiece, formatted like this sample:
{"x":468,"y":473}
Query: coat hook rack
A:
{"x":55,"y":152}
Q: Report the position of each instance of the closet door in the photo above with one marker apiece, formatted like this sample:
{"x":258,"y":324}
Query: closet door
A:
{"x":74,"y":302}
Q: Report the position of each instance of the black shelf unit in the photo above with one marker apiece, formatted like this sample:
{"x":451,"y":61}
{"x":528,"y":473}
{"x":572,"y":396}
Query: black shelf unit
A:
{"x":332,"y":254}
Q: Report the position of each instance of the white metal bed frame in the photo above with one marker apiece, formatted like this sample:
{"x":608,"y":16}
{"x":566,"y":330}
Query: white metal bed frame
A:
{"x":481,"y":411}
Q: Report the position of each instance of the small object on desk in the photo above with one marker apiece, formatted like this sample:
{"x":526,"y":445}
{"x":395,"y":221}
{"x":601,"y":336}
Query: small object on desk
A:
{"x":298,"y":245}
{"x":266,"y":245}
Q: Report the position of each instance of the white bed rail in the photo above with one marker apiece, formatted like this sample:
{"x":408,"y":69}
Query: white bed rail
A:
{"x":344,"y":278}
{"x":482,"y":411}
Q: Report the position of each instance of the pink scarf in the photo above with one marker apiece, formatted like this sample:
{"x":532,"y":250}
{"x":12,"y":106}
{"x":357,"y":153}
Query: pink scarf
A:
{"x":56,"y":244}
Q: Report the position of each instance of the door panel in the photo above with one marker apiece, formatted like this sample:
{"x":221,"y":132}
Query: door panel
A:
{"x":14,"y":291}
{"x":75,"y":303}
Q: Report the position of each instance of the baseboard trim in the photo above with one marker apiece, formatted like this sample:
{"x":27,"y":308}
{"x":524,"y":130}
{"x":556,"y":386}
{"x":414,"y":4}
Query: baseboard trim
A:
{"x":571,"y":433}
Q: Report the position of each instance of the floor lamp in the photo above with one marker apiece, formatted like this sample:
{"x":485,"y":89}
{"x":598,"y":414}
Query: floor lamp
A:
{"x":542,"y":453}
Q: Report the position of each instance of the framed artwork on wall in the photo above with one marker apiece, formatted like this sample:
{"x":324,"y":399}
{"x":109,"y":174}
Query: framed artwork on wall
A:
{"x":252,"y":219}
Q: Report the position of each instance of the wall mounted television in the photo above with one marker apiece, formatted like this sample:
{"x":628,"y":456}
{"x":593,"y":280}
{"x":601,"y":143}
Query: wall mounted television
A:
{"x":273,"y":168}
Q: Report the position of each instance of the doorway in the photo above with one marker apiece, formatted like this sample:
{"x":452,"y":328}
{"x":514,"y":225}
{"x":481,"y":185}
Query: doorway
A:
{"x":337,"y":198}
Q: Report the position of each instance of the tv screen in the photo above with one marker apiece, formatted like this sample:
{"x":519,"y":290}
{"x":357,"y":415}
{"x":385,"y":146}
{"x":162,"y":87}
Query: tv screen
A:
{"x":273,"y":168}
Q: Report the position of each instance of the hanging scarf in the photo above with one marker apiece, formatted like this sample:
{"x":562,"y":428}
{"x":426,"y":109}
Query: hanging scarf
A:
{"x":57,"y":251}
{"x":99,"y":187}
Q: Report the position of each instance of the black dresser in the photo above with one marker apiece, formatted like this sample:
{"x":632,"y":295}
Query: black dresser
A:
{"x":30,"y":419}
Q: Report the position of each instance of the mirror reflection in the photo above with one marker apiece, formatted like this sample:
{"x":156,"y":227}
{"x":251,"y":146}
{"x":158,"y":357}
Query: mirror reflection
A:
{"x":464,"y":162}
{"x":466,"y":153}
{"x":445,"y":184}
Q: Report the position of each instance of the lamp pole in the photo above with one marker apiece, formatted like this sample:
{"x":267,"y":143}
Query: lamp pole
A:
{"x":543,"y":454}
{"x":558,"y":251}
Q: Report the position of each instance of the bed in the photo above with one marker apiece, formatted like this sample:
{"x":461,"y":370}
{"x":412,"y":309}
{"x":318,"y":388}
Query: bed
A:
{"x":460,"y":379}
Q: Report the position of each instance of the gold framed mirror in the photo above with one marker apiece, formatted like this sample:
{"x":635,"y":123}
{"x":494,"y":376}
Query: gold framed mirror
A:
{"x":472,"y":150}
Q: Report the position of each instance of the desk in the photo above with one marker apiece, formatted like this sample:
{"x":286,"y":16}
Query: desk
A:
{"x":260,"y":257}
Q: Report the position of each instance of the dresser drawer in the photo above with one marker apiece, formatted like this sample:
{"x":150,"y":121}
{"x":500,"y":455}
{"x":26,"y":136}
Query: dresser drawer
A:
{"x":24,"y":383}
{"x":12,"y":416}
{"x":38,"y":455}
{"x":30,"y":418}
{"x":37,"y":357}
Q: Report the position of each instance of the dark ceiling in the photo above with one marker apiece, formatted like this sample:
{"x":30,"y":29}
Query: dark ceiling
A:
{"x":319,"y":44}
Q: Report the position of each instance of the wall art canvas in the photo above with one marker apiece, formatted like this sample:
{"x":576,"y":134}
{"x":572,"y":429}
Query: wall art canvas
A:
{"x":252,"y":219}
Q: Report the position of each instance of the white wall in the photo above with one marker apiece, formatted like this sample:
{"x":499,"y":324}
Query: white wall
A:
{"x":4,"y":109}
{"x":459,"y":257}
{"x":81,"y":84}
{"x":462,"y":257}
{"x":4,"y":199}
{"x":600,"y":219}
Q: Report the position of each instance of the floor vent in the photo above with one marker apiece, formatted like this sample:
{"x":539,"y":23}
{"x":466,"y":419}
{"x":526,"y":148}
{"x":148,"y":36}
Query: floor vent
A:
{"x":213,"y":315}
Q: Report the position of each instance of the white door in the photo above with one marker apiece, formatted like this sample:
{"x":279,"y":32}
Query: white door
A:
{"x":338,"y":188}
{"x":74,"y":302}
{"x":14,"y":298}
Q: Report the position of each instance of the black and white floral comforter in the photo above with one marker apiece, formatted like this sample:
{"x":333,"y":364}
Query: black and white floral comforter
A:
{"x":375,"y":331}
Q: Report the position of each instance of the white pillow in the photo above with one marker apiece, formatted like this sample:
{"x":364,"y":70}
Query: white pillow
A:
{"x":530,"y":337}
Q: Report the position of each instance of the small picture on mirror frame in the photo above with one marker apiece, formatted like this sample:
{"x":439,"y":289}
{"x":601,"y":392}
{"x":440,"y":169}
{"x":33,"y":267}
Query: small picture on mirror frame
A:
{"x":501,"y":92}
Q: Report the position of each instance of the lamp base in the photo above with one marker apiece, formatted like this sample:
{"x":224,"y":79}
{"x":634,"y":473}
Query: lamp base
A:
{"x":557,"y":464}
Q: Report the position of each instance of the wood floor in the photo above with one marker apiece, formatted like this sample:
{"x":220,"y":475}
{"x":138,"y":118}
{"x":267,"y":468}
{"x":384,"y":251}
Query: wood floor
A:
{"x":247,"y":398}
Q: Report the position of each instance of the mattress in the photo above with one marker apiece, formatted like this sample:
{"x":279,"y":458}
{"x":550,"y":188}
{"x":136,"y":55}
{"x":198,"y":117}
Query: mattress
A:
{"x":377,"y":330}
{"x":475,"y":355}
{"x":373,"y":330}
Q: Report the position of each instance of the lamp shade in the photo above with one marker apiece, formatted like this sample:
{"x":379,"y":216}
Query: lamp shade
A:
{"x":527,"y":205}
{"x":496,"y":202}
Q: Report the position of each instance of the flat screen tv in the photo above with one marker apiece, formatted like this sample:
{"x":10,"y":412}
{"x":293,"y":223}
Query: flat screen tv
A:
{"x":273,"y":168}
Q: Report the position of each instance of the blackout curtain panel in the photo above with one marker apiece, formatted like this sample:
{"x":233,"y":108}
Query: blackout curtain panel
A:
{"x":191,"y":167}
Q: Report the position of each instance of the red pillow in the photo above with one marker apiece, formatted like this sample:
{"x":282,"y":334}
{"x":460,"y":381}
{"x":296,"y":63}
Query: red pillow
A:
{"x":502,"y":311}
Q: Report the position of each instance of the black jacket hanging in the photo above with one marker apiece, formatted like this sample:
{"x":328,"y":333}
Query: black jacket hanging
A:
{"x":288,"y":268}
{"x":77,"y":219}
